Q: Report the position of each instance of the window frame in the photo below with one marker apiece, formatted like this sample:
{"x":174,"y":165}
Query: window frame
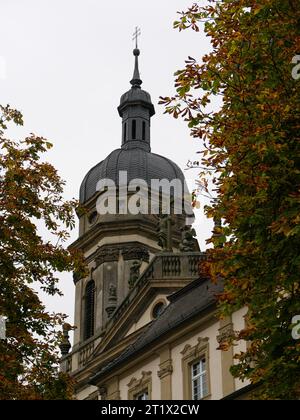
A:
{"x":199,"y":376}
{"x":133,"y":129}
{"x":142,"y":393}
{"x":154,"y":306}
{"x":157,"y":302}
{"x":89,"y":312}
{"x":192,"y":355}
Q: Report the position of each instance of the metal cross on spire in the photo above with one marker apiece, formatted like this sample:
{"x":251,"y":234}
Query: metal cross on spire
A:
{"x":136,"y":34}
{"x":136,"y":80}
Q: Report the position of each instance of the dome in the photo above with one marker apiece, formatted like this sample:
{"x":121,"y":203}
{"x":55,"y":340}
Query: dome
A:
{"x":138,"y":163}
{"x":135,"y":95}
{"x":134,"y":156}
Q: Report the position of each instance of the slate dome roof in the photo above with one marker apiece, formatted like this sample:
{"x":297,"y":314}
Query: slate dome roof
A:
{"x":133,"y":95}
{"x":135,"y":155}
{"x":138,"y":163}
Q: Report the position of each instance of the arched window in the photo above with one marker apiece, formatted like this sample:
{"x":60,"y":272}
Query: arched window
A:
{"x":89,"y":310}
{"x":144,"y":131}
{"x":133,"y":129}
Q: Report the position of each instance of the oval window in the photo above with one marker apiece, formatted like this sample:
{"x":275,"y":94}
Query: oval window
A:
{"x":158,"y":309}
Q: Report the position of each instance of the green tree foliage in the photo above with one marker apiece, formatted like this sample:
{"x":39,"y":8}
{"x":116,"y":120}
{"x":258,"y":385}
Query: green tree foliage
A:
{"x":31,"y":192}
{"x":252,"y":142}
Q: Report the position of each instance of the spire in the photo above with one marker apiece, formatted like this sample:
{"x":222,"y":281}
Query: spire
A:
{"x":136,"y":109}
{"x":136,"y":80}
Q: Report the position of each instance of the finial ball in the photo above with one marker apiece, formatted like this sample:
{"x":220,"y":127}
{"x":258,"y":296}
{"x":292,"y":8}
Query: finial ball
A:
{"x":136,"y":52}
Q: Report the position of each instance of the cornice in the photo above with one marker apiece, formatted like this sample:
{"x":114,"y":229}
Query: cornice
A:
{"x":117,"y":225}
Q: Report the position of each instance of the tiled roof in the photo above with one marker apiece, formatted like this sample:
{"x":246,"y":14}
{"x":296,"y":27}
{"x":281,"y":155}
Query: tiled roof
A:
{"x":184,"y":305}
{"x":138,"y":163}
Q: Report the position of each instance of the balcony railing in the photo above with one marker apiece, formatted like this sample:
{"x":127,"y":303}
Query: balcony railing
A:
{"x":165,"y":266}
{"x":85,"y":353}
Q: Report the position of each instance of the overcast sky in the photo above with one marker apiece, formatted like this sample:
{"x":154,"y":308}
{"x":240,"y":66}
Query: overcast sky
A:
{"x":65,"y":64}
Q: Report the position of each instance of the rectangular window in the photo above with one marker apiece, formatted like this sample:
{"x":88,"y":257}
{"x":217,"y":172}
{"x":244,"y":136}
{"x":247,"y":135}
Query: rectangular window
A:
{"x":144,"y":131}
{"x":133,"y":129}
{"x":199,"y":379}
{"x":89,"y":310}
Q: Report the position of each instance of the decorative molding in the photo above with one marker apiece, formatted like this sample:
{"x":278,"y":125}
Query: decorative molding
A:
{"x":187,"y":347}
{"x":202,"y":342}
{"x":107,"y":254}
{"x":140,"y":253}
{"x":112,"y":300}
{"x":137,"y":386}
{"x":134,"y":273}
{"x":225,"y":333}
{"x":165,"y":373}
{"x":135,"y":382}
{"x":165,"y":369}
{"x":112,"y":252}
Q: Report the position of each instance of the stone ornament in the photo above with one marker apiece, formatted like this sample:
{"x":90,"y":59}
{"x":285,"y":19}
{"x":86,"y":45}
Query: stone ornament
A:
{"x":187,"y":239}
{"x":134,"y":273}
{"x":112,"y":300}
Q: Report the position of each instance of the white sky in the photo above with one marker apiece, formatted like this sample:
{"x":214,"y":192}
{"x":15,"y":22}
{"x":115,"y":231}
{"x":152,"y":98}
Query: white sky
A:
{"x":65,"y":64}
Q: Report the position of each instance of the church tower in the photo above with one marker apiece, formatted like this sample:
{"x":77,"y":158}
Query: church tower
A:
{"x":119,"y":247}
{"x":146,"y":314}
